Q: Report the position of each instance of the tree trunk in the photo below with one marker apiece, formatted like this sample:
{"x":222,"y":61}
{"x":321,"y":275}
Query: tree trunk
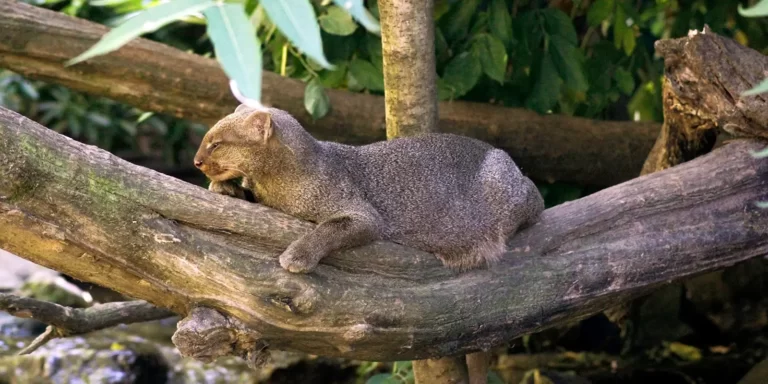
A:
{"x":410,"y":76}
{"x":79,"y":210}
{"x":410,"y":95}
{"x":35,"y":42}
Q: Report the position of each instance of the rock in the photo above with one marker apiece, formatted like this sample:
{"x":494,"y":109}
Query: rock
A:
{"x":53,"y":288}
{"x":95,"y":359}
{"x":115,"y":357}
{"x":16,"y":270}
{"x":19,"y":328}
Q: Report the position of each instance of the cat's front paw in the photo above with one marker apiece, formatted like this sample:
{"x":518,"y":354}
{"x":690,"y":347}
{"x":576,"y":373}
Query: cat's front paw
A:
{"x":296,"y":261}
{"x":227,"y":188}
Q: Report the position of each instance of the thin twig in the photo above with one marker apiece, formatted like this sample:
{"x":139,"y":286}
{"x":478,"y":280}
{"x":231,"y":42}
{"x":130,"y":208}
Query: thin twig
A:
{"x":65,"y":321}
{"x":49,"y":334}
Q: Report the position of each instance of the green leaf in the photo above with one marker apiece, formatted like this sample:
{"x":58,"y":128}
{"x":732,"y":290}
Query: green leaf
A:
{"x":441,"y":8}
{"x":599,"y":11}
{"x":624,"y":81}
{"x":493,"y":57}
{"x":441,"y":46}
{"x":629,"y":42}
{"x":623,"y":35}
{"x":146,"y":21}
{"x":479,"y":25}
{"x":444,"y":91}
{"x":455,"y":23}
{"x":382,"y":378}
{"x":358,"y":11}
{"x":316,"y":101}
{"x":296,"y":20}
{"x":759,"y":9}
{"x":373,"y":46}
{"x":500,"y":21}
{"x":760,"y":154}
{"x":337,"y":22}
{"x":494,"y":378}
{"x":334,"y":78}
{"x":237,"y":47}
{"x":569,"y":63}
{"x":559,"y":24}
{"x":144,"y":116}
{"x":462,"y":73}
{"x":547,"y":89}
{"x":760,"y":88}
{"x":645,"y":105}
{"x":366,"y":74}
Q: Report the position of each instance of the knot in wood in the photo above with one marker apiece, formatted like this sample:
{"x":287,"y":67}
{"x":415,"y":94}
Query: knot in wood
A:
{"x":204,"y":335}
{"x":296,"y":297}
{"x":358,"y":332}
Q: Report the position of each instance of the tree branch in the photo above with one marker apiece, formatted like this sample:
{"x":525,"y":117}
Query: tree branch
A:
{"x":36,"y":42}
{"x":79,"y":210}
{"x":65,"y":321}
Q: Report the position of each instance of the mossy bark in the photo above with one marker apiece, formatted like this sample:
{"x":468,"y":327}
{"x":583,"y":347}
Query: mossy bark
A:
{"x":91,"y":215}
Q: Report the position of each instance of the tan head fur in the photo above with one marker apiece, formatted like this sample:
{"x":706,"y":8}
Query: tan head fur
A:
{"x":232,"y":146}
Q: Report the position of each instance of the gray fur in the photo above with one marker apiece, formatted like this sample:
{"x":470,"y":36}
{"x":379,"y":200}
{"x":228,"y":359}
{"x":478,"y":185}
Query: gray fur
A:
{"x":450,"y":195}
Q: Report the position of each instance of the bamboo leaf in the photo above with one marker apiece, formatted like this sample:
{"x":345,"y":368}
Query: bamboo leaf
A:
{"x":237,"y":47}
{"x":144,"y":22}
{"x":358,"y":11}
{"x":760,"y":9}
{"x":296,"y":20}
{"x":760,"y":88}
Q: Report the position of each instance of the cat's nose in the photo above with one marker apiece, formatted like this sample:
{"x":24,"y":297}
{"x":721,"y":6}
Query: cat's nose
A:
{"x":198,"y":163}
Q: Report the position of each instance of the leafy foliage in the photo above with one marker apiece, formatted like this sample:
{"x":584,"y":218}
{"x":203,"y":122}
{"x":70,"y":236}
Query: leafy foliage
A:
{"x":584,"y":58}
{"x":240,"y":54}
{"x":402,"y":373}
{"x":237,"y":46}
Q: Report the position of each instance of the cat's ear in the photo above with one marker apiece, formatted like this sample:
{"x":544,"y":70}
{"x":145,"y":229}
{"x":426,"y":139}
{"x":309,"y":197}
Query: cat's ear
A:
{"x":258,"y":126}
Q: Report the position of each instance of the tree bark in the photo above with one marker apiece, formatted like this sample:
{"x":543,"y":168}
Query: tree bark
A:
{"x":702,"y":96}
{"x":36,"y":42}
{"x":410,"y":75}
{"x":704,"y":76}
{"x":79,"y":210}
{"x":410,"y":102}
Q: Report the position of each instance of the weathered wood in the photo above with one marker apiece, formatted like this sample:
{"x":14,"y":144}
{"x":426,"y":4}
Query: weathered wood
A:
{"x":65,"y":321}
{"x":410,"y":84}
{"x":82,"y":211}
{"x":77,"y":321}
{"x":704,"y":76}
{"x":36,"y":42}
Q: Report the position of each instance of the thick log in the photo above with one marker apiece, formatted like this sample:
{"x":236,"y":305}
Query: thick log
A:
{"x":36,"y":42}
{"x":82,"y":211}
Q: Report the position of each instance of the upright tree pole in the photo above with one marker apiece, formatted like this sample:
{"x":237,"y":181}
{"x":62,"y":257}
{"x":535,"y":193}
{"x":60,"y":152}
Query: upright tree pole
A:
{"x":410,"y":77}
{"x":410,"y":95}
